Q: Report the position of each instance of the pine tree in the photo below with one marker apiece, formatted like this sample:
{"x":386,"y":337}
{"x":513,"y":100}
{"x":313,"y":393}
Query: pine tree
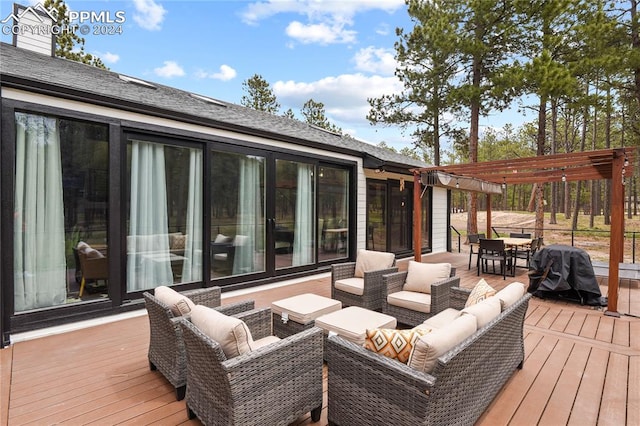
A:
{"x":259,"y":95}
{"x":69,"y":44}
{"x":314,"y":114}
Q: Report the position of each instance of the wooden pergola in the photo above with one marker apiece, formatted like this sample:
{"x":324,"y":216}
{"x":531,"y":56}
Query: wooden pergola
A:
{"x":615,"y":164}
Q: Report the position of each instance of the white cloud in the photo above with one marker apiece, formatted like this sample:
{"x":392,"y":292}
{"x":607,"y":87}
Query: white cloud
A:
{"x":225,"y":73}
{"x":326,"y":20}
{"x":344,"y":96}
{"x":320,"y":33}
{"x":108,"y":57}
{"x":314,"y":9}
{"x":376,"y":60}
{"x":149,"y":14}
{"x":169,"y":70}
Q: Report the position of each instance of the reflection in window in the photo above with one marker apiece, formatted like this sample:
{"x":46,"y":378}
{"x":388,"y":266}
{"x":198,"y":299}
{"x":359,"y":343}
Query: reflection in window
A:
{"x":237,"y":214}
{"x":295,"y":213}
{"x":333,"y":208}
{"x":164,"y":241}
{"x":376,"y":215}
{"x":61,"y":211}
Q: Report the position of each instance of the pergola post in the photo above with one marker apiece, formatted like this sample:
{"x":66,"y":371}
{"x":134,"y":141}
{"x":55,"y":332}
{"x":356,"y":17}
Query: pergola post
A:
{"x":417,"y":218}
{"x":616,"y":246}
{"x":489,"y":216}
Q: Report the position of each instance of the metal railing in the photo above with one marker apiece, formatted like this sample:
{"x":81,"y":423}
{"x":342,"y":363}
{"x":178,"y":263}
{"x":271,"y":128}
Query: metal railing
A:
{"x":587,"y":239}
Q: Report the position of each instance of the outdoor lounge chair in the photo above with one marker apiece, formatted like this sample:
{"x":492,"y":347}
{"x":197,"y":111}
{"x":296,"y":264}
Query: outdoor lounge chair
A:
{"x":273,"y":383}
{"x":166,"y":348}
{"x":418,"y":293}
{"x":359,"y":283}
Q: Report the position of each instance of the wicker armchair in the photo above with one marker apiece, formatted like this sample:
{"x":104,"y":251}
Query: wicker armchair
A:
{"x":272,"y":385}
{"x":439,"y":298}
{"x":356,"y":284}
{"x":366,"y":388}
{"x":166,"y":348}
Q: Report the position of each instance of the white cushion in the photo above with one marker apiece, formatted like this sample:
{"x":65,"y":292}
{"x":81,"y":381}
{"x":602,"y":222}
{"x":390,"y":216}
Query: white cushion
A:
{"x":352,"y":322}
{"x":431,"y":346}
{"x":306,"y":307}
{"x":255,"y":344}
{"x":178,"y":303}
{"x":351,"y":285}
{"x":420,"y":276}
{"x":369,"y":260}
{"x":441,"y":319}
{"x":231,"y":333}
{"x":510,"y":294}
{"x":413,"y":300}
{"x":484,"y":311}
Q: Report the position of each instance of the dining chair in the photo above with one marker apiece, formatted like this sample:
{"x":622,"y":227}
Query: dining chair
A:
{"x":474,"y":239}
{"x":495,"y":251}
{"x":525,"y":253}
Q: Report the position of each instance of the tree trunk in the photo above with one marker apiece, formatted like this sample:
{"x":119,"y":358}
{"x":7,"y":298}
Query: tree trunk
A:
{"x":474,"y":130}
{"x":554,"y":148}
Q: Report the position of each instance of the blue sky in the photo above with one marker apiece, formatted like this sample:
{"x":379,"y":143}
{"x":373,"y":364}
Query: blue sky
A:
{"x":338,"y":52}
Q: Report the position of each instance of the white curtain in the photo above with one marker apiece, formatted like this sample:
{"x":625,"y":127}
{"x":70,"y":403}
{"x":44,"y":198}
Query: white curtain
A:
{"x":39,"y":246}
{"x":248,"y":228}
{"x":148,"y":263}
{"x":305,"y":216}
{"x":192,"y":266}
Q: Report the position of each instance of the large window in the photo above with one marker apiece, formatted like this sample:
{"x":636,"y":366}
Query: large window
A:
{"x":333,"y":213}
{"x":237,"y":214}
{"x":60,"y":211}
{"x":376,"y":215}
{"x":164,"y":226}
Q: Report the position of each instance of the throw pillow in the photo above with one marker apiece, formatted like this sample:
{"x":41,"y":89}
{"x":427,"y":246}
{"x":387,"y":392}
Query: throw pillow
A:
{"x":481,"y":291}
{"x":178,"y":303}
{"x":231,"y":333}
{"x":178,"y":241}
{"x":369,"y":260}
{"x":420,"y":276}
{"x":221,"y":238}
{"x":394,"y":344}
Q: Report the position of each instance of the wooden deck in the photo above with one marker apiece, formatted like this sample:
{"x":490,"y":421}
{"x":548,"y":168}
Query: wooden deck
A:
{"x":581,"y":367}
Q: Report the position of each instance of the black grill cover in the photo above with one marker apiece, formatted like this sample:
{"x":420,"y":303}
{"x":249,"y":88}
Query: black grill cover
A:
{"x":570,"y":275}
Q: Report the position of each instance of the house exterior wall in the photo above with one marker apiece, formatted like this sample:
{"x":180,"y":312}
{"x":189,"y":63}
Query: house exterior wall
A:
{"x":440,"y":215}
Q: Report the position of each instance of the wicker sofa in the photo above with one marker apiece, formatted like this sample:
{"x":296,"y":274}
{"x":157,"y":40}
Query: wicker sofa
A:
{"x":366,"y":388}
{"x":166,"y":347}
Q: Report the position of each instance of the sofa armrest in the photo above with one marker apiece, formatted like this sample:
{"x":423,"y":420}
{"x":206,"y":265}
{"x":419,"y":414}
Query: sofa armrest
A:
{"x":458,"y":297}
{"x":373,"y":283}
{"x":236,"y":307}
{"x":258,"y":321}
{"x":209,"y":297}
{"x":394,"y":282}
{"x":441,"y":294}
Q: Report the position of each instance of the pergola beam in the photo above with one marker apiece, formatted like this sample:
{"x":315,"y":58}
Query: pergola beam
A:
{"x":614,"y":164}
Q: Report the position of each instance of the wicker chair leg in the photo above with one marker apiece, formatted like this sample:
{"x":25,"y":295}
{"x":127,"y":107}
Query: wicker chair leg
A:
{"x":152,"y":366}
{"x":521,"y":365}
{"x":190,"y":414}
{"x":315,"y":414}
{"x":181,"y":392}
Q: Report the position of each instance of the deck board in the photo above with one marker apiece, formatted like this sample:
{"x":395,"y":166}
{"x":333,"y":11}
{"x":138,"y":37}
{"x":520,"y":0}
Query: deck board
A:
{"x":581,"y":367}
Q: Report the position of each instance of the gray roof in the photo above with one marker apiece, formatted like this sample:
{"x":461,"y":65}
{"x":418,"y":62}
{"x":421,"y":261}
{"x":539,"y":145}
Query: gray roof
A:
{"x":65,"y":78}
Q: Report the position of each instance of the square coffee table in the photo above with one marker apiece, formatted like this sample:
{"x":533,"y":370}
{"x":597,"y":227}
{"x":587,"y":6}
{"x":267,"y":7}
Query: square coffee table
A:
{"x":295,"y":314}
{"x":353,"y":322}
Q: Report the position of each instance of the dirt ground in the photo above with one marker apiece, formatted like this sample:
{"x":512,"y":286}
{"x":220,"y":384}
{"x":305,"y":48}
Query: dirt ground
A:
{"x":593,"y":240}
